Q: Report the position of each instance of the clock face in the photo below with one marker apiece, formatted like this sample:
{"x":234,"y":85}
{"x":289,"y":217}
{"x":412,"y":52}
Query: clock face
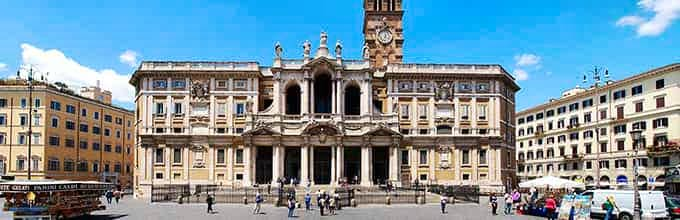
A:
{"x":385,"y":36}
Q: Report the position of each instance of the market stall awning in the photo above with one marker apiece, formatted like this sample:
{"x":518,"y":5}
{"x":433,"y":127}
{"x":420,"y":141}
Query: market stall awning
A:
{"x":551,"y":182}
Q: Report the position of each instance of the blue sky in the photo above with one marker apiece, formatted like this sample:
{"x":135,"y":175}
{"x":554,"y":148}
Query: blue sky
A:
{"x":549,"y":44}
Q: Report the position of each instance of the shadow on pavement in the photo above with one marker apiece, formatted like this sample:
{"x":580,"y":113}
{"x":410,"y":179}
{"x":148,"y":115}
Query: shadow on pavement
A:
{"x":99,"y":217}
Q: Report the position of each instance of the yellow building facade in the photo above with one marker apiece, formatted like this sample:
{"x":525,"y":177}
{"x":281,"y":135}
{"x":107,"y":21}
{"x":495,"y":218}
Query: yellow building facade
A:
{"x":73,"y":137}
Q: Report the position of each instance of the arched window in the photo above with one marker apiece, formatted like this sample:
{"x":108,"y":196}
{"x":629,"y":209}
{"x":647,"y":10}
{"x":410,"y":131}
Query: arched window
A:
{"x":352,"y":100}
{"x":322,"y":93}
{"x":293,"y":100}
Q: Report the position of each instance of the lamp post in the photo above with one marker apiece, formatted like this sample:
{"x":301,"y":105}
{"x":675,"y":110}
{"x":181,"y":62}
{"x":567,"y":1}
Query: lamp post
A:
{"x":30,"y":118}
{"x":636,"y":135}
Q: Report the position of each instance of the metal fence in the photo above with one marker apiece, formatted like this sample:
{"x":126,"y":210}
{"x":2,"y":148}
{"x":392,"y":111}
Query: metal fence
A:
{"x":228,"y":194}
{"x":170,"y":192}
{"x":461,"y":193}
{"x":397,"y":195}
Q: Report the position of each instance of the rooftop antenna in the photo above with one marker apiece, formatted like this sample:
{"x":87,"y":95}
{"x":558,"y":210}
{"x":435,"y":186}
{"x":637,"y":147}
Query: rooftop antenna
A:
{"x":606,"y":75}
{"x":585,"y":78}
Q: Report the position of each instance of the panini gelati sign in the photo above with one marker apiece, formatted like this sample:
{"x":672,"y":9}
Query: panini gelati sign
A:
{"x":8,"y":187}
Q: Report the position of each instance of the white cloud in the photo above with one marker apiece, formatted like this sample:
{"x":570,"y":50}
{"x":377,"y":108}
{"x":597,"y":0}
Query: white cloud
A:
{"x":665,"y":12}
{"x":129,"y":57}
{"x":3,"y":67}
{"x":520,"y":74}
{"x":631,"y":20}
{"x":527,"y":59}
{"x":64,"y":69}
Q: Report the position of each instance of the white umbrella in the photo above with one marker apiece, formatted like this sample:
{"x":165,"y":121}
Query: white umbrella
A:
{"x":551,"y":182}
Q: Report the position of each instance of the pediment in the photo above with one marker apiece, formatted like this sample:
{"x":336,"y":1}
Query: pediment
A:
{"x":322,"y":62}
{"x":261,"y":131}
{"x":382,"y":130}
{"x":321,"y":128}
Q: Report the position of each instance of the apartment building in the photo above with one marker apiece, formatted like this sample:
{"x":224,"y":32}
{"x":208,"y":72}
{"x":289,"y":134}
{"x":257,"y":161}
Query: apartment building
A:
{"x":74,"y":137}
{"x":585,"y":134}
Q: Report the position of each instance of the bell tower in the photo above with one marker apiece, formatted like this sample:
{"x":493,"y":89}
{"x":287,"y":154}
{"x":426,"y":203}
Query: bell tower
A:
{"x":383,"y":32}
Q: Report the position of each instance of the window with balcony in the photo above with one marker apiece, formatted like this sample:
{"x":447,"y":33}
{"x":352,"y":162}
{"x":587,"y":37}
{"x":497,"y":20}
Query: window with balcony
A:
{"x":642,"y":125}
{"x":660,"y":140}
{"x":561,"y":110}
{"x":444,"y":129}
{"x":422,"y":111}
{"x":178,"y":108}
{"x":587,"y":117}
{"x":573,"y":107}
{"x":660,"y":123}
{"x":240,"y":109}
{"x":159,"y":108}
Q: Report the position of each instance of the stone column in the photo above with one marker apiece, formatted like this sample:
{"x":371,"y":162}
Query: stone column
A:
{"x":457,"y":162}
{"x":168,"y":162}
{"x":230,"y":164}
{"x":211,"y":163}
{"x":186,"y":164}
{"x":334,"y":166}
{"x":415,"y":156}
{"x":394,"y":163}
{"x":311,"y":98}
{"x":276,"y":165}
{"x":305,"y":96}
{"x":334,"y":99}
{"x":304,"y":170}
{"x":365,"y":166}
{"x":340,"y":161}
{"x":339,"y":97}
{"x":246,"y":166}
{"x":311,"y":163}
{"x":432,"y":163}
{"x":474,"y":161}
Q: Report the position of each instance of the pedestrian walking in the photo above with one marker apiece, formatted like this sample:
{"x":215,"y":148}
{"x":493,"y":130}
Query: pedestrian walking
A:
{"x":550,"y":207}
{"x":508,"y":204}
{"x":258,"y":203}
{"x":442,"y":201}
{"x":609,"y":205}
{"x":291,"y":207}
{"x":210,"y":200}
{"x":308,"y":202}
{"x":321,"y":203}
{"x":109,"y":196}
{"x":516,"y":198}
{"x":117,"y":195}
{"x":331,"y":206}
{"x":493,"y":202}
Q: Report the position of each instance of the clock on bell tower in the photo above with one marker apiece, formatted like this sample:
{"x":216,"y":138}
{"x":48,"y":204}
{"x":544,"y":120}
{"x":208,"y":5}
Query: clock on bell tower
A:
{"x":383,"y":32}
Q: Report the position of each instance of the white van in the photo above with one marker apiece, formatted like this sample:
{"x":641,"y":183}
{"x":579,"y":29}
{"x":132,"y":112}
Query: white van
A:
{"x":653,"y":204}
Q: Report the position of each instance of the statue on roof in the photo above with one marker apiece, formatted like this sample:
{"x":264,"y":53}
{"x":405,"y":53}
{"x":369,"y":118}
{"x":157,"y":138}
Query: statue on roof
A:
{"x":324,"y":39}
{"x":338,"y":49}
{"x":306,"y":48}
{"x":278,"y":49}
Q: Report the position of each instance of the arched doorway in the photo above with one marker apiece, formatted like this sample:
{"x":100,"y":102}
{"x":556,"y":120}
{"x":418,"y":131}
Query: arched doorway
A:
{"x":604,"y":181}
{"x":293,"y":100}
{"x":352,"y":100}
{"x":322,"y":93}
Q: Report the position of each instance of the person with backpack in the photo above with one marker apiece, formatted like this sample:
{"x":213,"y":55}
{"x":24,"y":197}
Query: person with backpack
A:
{"x":258,"y":203}
{"x":609,"y":205}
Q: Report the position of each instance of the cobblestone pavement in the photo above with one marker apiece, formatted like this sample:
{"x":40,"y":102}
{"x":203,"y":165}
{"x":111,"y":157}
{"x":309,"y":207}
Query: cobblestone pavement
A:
{"x":141,"y":209}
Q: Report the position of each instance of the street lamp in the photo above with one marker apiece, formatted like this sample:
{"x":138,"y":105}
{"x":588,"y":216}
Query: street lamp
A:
{"x":636,"y":135}
{"x":30,"y":118}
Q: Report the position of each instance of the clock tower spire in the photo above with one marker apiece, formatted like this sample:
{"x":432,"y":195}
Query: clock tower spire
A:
{"x":383,"y":32}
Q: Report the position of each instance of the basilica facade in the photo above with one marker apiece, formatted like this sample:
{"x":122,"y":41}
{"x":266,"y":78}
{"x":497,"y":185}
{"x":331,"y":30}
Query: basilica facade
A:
{"x":322,"y":119}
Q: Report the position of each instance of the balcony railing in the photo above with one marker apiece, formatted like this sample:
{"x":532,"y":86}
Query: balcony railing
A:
{"x":573,"y":157}
{"x":668,"y":148}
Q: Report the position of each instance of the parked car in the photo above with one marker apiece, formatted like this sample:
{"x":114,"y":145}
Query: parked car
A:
{"x":673,"y":205}
{"x":652,"y":203}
